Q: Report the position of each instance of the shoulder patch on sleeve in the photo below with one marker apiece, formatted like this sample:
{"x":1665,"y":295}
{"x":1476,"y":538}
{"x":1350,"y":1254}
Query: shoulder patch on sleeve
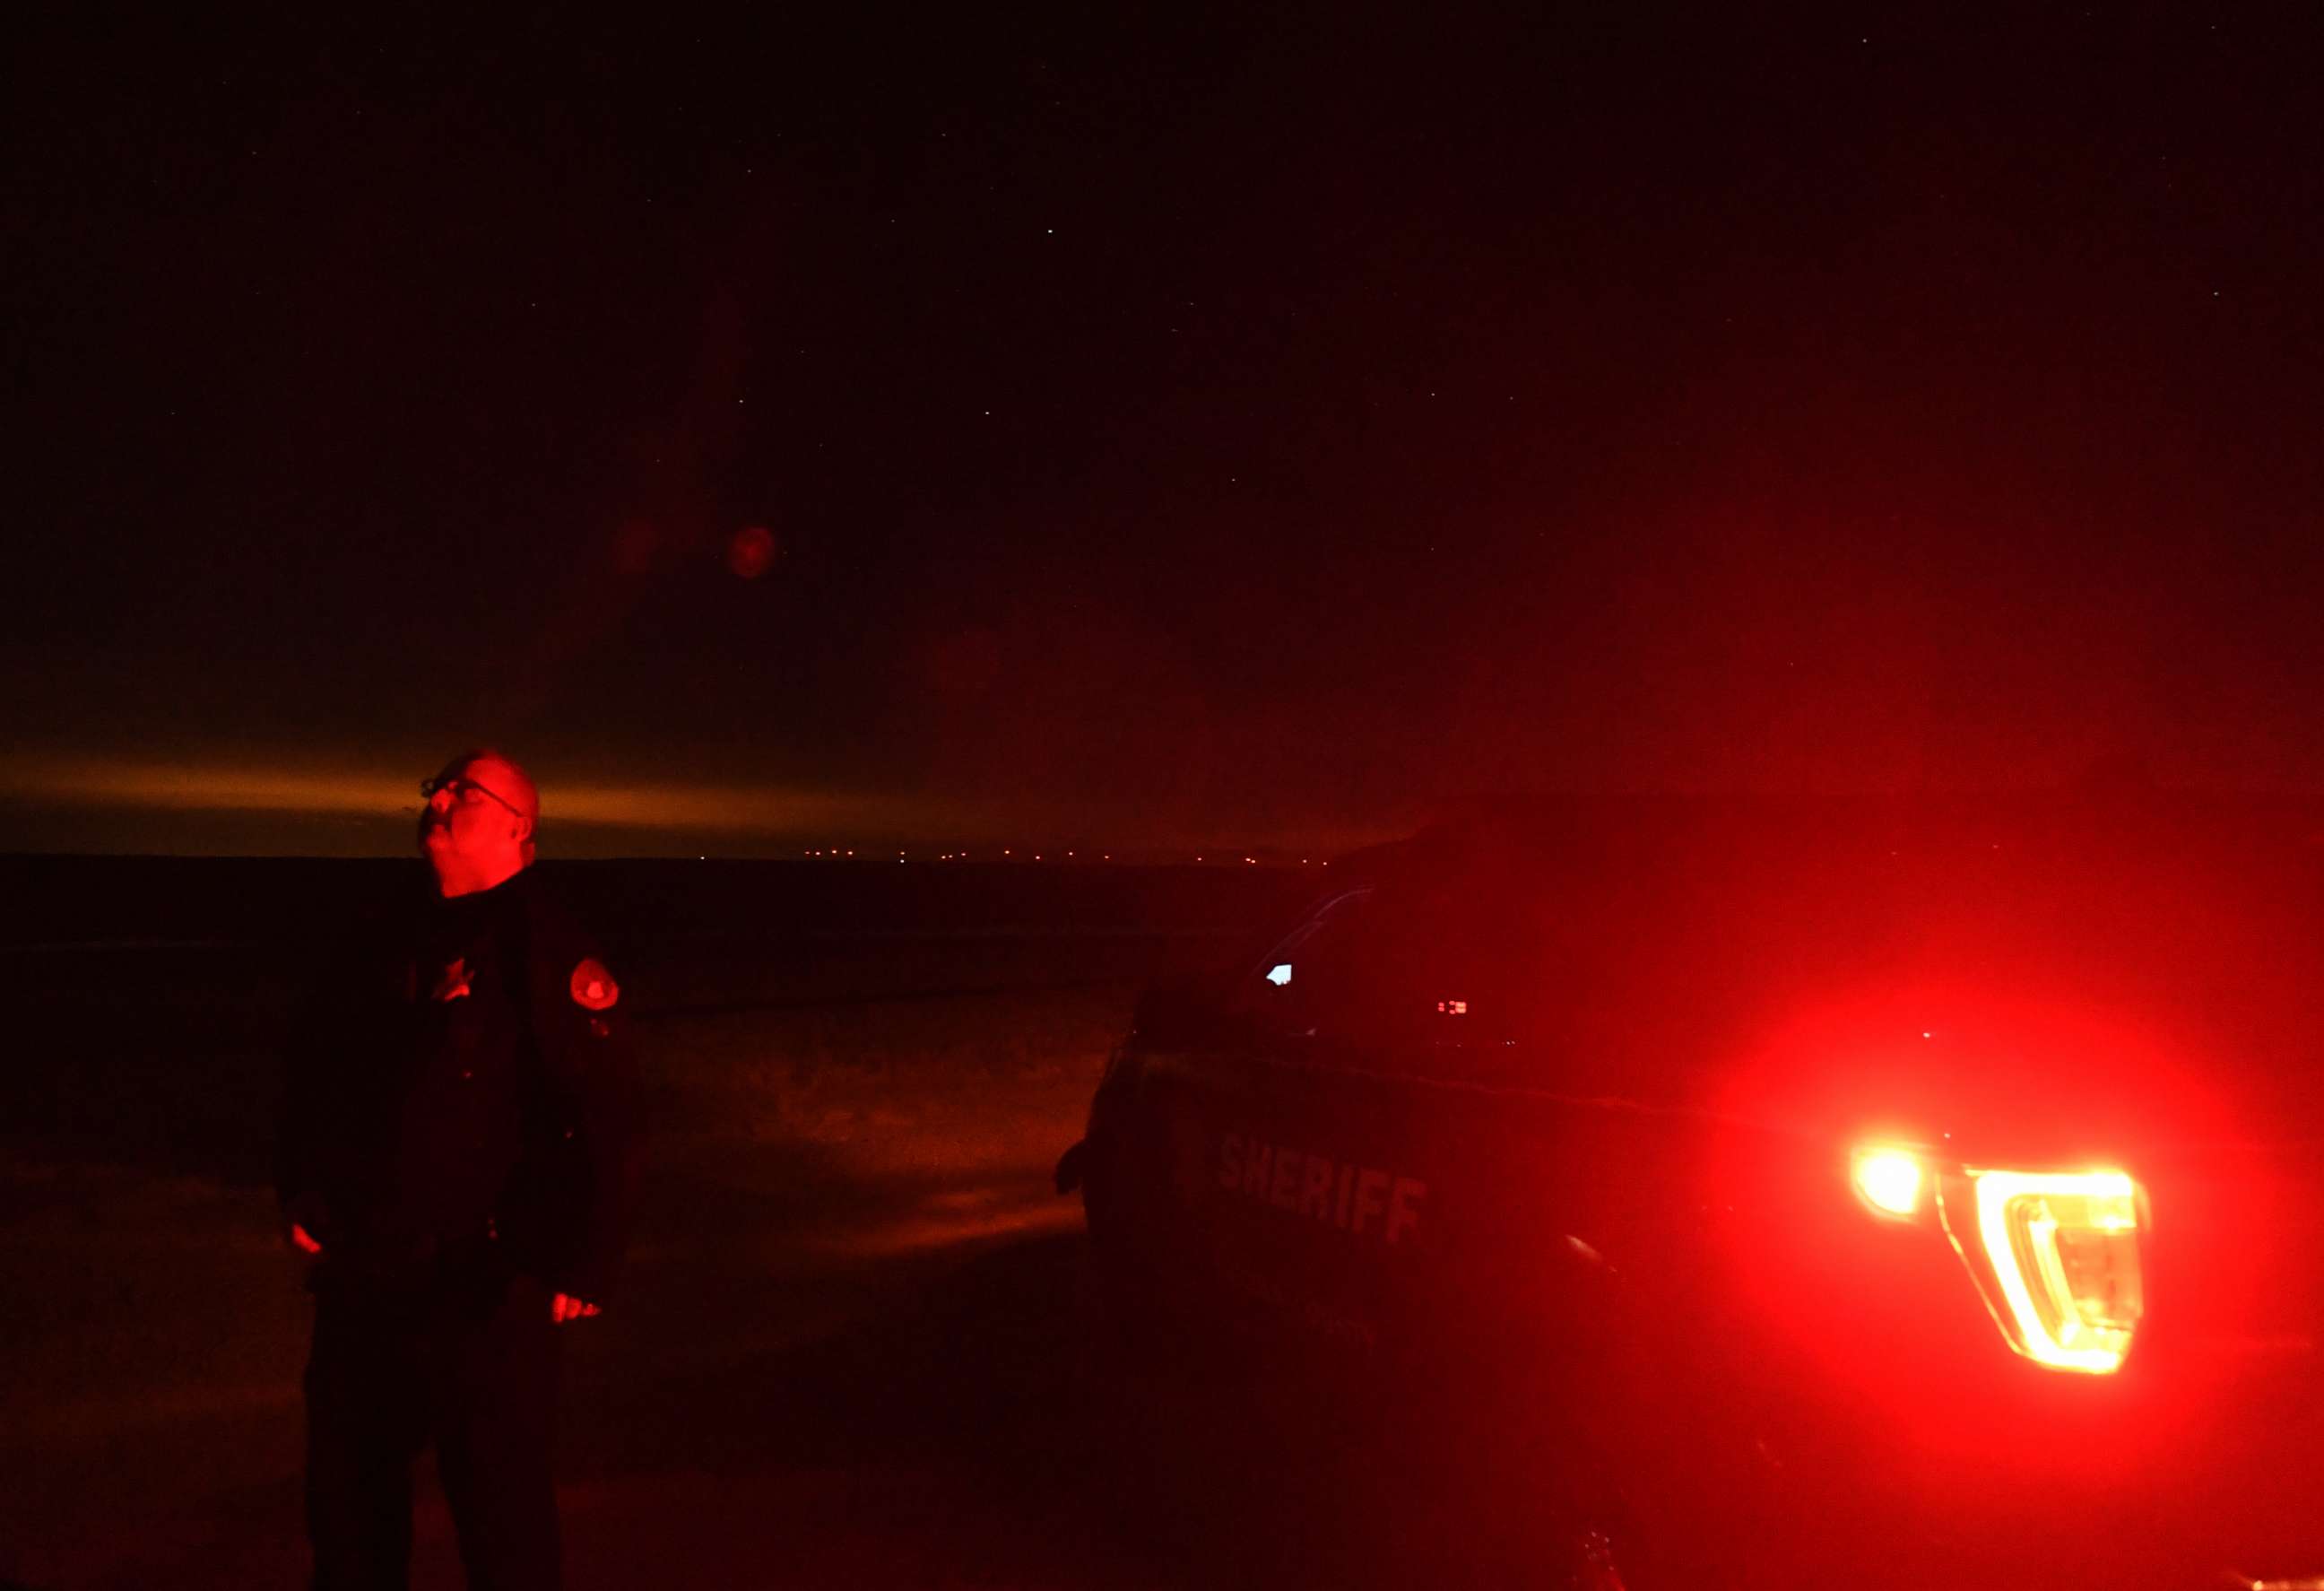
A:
{"x":594,"y":988}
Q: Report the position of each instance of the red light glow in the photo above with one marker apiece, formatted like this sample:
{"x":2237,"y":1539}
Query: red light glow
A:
{"x":2072,"y":1308}
{"x":1901,"y":1309}
{"x":1889,"y":1181}
{"x":752,"y":552}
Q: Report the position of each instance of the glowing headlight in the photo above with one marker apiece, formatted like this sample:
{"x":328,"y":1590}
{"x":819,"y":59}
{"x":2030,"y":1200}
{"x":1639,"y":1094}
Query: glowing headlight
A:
{"x":2061,"y":1266}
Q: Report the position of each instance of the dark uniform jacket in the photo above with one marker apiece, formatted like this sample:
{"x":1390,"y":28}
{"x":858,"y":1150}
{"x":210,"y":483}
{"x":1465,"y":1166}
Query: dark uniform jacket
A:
{"x":459,"y":1088}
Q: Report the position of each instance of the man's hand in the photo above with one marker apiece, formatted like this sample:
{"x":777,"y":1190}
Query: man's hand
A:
{"x":565,"y":1307}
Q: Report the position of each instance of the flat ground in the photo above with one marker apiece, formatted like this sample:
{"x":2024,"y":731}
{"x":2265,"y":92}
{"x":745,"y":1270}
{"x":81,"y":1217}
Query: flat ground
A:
{"x":853,"y":1347}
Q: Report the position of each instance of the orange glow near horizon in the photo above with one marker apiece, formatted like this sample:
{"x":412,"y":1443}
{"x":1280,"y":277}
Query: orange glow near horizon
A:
{"x":178,"y":787}
{"x":363,"y":805}
{"x":189,"y":788}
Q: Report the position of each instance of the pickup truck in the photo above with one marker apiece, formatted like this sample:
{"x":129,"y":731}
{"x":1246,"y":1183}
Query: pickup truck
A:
{"x":1777,"y":1193}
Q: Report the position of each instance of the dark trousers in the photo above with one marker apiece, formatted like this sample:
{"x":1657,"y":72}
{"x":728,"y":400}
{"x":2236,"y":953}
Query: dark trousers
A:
{"x":472,"y":1368}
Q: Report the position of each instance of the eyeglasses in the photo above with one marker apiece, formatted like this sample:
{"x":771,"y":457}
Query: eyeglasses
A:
{"x":460,"y":786}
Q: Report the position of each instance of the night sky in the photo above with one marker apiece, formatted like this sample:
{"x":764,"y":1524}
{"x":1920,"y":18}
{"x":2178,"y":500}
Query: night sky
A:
{"x":1173,"y":430}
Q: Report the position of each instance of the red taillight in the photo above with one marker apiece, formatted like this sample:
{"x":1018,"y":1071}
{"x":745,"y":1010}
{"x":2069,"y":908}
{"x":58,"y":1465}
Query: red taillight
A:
{"x":2054,"y":1255}
{"x":2061,"y":1268}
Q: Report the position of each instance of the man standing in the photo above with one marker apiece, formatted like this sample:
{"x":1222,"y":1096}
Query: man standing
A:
{"x":458,"y":1142}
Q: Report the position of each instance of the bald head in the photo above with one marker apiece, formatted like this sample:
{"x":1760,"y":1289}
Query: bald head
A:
{"x":502,"y":776}
{"x":477,"y":827}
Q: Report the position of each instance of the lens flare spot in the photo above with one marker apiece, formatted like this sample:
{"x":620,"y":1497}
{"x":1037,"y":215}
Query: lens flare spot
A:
{"x":752,"y":552}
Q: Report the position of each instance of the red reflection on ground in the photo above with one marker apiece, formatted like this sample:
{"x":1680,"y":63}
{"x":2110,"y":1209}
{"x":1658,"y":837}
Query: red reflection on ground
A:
{"x":752,"y":552}
{"x":960,"y":1215}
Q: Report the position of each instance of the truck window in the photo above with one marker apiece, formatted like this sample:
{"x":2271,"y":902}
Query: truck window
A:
{"x":1290,"y":986}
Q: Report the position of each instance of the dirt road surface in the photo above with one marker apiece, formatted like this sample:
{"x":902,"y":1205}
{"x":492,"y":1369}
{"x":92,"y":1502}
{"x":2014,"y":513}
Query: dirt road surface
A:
{"x":847,"y":1354}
